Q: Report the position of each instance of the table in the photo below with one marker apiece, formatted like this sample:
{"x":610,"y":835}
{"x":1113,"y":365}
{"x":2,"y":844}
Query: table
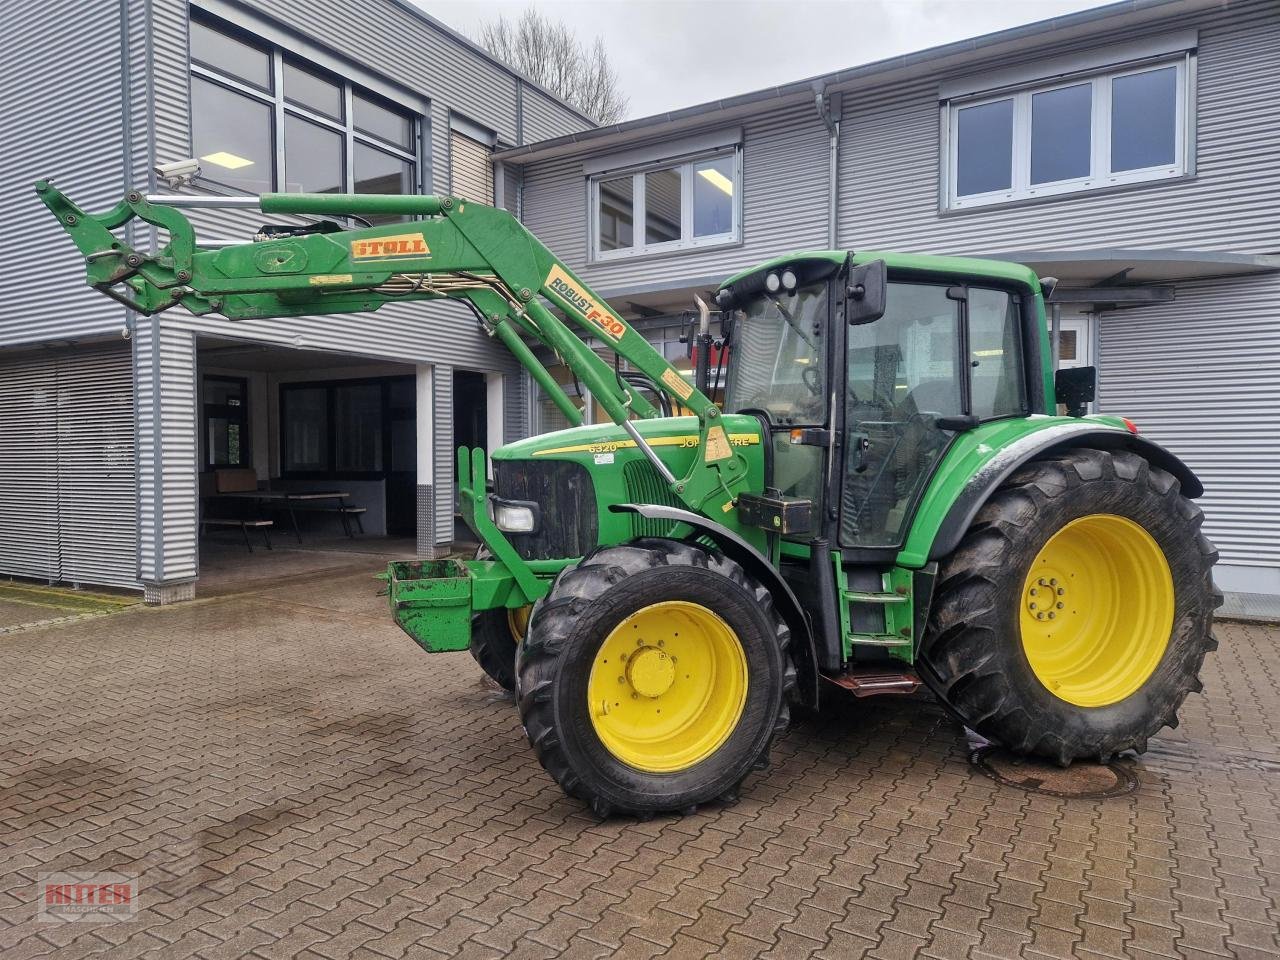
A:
{"x":291,"y":497}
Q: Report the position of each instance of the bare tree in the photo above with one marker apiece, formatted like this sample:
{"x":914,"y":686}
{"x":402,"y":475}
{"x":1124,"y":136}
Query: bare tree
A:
{"x":549,"y":53}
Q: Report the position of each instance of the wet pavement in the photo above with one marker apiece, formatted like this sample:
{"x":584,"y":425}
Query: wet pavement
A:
{"x":25,"y":604}
{"x":287,"y":775}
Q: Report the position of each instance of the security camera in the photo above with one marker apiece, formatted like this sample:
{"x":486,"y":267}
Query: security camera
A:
{"x":178,"y":173}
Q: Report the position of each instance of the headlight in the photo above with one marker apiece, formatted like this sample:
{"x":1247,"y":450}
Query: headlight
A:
{"x":514,"y":517}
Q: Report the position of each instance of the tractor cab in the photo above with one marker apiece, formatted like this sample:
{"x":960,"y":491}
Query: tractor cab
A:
{"x":864,"y":371}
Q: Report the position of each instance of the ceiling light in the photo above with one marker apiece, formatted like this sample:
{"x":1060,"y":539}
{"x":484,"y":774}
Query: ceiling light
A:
{"x":717,"y":179}
{"x":229,"y":160}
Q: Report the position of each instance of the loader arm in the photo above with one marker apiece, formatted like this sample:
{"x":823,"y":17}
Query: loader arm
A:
{"x":456,"y":250}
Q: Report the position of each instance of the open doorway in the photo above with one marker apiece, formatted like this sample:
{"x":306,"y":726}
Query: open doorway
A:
{"x":308,"y":460}
{"x":470,"y":410}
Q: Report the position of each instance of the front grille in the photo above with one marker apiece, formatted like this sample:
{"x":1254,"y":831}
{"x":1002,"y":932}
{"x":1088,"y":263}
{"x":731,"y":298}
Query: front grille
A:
{"x":567,"y":499}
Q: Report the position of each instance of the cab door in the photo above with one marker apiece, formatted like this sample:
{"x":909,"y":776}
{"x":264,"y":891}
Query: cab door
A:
{"x":942,"y":358}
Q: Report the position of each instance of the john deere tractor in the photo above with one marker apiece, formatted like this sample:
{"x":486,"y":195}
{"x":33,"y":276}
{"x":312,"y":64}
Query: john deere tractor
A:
{"x":886,"y":494}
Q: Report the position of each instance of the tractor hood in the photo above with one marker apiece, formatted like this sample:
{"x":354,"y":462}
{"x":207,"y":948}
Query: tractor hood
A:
{"x":673,"y":437}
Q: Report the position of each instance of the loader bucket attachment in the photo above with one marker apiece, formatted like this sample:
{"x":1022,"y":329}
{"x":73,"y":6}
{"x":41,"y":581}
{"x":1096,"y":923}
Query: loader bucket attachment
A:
{"x":431,"y":602}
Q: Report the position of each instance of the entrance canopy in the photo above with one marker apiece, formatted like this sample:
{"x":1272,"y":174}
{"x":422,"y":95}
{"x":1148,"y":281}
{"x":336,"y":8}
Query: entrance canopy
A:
{"x":1118,"y":278}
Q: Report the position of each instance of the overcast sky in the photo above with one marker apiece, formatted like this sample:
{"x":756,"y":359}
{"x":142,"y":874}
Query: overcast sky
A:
{"x":674,"y":53}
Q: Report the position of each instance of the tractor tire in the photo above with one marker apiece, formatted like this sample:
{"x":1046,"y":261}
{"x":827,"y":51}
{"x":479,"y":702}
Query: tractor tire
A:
{"x":1073,"y":619}
{"x":495,"y":634}
{"x":604,"y":657}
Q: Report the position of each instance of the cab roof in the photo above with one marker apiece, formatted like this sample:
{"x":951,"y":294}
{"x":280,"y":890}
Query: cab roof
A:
{"x":1003,"y":271}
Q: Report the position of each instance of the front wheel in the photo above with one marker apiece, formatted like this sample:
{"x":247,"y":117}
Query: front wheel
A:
{"x":495,"y":634}
{"x":1074,"y":617}
{"x":654,"y":677}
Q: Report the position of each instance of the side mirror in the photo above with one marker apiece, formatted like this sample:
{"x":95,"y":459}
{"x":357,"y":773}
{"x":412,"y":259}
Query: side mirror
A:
{"x":865,"y":291}
{"x":1075,"y":388}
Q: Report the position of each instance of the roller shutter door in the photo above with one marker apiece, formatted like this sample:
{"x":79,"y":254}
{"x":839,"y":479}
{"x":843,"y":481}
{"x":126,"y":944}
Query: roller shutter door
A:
{"x":471,"y":168}
{"x":97,"y":473}
{"x":68,"y":480}
{"x":29,"y":467}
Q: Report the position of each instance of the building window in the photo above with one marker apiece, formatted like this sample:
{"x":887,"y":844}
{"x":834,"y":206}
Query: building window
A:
{"x":358,"y":429}
{"x":667,"y":206}
{"x":226,"y":422}
{"x":1124,"y":126}
{"x":263,"y":121}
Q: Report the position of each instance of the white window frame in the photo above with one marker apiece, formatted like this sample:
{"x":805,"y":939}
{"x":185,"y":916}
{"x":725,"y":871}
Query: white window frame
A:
{"x":687,"y":240}
{"x":1100,"y":175}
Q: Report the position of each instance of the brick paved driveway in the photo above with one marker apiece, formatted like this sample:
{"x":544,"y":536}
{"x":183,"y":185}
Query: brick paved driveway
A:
{"x":291,"y":777}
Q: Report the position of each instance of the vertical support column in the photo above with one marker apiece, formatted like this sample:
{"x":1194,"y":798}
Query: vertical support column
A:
{"x":426,"y":504}
{"x":446,"y":494}
{"x":494,"y":400}
{"x":164,"y":373}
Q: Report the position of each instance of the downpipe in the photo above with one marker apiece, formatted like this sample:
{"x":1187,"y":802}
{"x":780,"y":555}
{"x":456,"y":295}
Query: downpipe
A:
{"x":829,"y":109}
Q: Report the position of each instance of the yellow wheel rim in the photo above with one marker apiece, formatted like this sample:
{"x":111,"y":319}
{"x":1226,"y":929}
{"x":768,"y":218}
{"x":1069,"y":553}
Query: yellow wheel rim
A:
{"x":1097,"y":610}
{"x":518,"y":620}
{"x":667,"y":686}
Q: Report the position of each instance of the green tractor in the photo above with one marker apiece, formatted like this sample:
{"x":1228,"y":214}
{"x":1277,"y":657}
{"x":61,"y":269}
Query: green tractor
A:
{"x":886,"y":494}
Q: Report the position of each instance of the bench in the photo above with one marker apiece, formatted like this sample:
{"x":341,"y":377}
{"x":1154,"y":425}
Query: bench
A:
{"x":346,"y":512}
{"x":243,"y":524}
{"x":238,"y":480}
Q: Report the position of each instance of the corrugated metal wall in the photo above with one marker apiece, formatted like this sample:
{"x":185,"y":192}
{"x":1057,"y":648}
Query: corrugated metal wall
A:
{"x":890,"y":160}
{"x":545,"y":119}
{"x":1201,"y":375}
{"x":68,"y":490}
{"x":59,"y":120}
{"x":784,"y":190}
{"x":512,"y":185}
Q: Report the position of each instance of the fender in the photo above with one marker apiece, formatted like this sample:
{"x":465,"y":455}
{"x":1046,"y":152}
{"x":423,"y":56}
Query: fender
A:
{"x":803,"y":650}
{"x":1052,"y":439}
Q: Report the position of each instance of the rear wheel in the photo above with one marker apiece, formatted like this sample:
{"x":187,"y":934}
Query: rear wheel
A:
{"x":654,"y":677}
{"x":1074,"y":617}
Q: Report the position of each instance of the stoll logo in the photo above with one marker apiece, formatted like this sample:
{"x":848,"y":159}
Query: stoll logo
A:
{"x":87,"y":896}
{"x":564,"y":287}
{"x":402,"y":246}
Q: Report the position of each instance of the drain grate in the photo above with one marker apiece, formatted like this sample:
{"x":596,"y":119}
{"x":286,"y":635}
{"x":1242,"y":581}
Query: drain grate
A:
{"x":1081,"y":780}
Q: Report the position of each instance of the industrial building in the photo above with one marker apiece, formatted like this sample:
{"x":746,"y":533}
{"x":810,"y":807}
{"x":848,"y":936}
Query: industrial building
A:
{"x":1129,"y":151}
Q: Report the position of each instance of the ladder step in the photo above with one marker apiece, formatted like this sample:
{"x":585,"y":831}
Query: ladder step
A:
{"x":856,"y":596}
{"x":870,"y":683}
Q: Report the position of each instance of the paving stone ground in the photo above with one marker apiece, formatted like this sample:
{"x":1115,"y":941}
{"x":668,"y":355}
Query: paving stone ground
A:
{"x":290,"y":777}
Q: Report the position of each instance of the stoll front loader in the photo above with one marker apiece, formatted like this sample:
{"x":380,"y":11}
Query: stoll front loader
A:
{"x":886,"y":495}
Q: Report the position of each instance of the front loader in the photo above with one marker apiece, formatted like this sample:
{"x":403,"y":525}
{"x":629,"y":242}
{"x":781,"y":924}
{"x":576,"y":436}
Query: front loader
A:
{"x":886,"y":495}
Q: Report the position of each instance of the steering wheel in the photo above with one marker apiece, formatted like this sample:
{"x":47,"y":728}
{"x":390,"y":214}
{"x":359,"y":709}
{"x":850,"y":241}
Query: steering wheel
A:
{"x":812,"y":378}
